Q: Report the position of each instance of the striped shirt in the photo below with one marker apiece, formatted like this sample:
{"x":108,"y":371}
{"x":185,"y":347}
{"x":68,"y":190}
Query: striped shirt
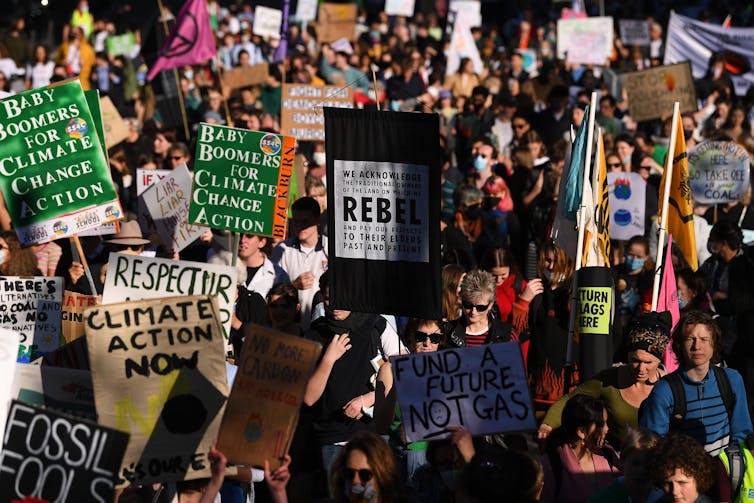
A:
{"x":474,"y":339}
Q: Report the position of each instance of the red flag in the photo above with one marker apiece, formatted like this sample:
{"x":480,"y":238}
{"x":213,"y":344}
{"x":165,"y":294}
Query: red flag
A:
{"x":668,"y":301}
{"x":190,"y":42}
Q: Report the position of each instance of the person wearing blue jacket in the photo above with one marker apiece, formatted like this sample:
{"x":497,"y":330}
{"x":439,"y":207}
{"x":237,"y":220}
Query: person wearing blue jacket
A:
{"x":696,"y":344}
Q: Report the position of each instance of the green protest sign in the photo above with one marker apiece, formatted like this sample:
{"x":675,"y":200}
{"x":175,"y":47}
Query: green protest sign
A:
{"x":53,"y":173}
{"x":241,"y":180}
{"x":92,"y":99}
{"x":121,"y":44}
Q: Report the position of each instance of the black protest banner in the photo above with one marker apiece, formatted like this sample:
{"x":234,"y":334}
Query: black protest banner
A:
{"x":482,"y":389}
{"x":596,"y":295}
{"x":383,"y":172}
{"x":58,"y":458}
{"x":68,"y":391}
{"x":158,"y":369}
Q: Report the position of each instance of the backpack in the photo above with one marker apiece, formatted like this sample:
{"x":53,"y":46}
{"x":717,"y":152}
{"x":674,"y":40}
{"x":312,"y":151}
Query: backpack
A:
{"x":679,"y":395}
{"x":736,"y":467}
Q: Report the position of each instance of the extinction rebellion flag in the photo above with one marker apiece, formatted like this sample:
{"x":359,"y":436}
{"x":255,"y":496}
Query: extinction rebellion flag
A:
{"x":383,"y":172}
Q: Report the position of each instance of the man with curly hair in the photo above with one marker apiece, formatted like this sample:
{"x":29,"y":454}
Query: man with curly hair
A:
{"x":683,"y":469}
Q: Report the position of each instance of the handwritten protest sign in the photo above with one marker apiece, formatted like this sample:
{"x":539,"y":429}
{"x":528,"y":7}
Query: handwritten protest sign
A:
{"x":634,"y":31}
{"x":9,"y":341}
{"x":301,"y":111}
{"x":241,"y":180}
{"x":121,"y":44}
{"x":482,"y":389}
{"x":54,"y":175}
{"x":116,"y":129}
{"x":399,"y":7}
{"x":263,"y":407}
{"x":652,"y":92}
{"x":468,"y":12}
{"x":267,"y":21}
{"x":158,"y":368}
{"x":306,"y":10}
{"x":244,"y":76}
{"x":57,"y":458}
{"x":73,"y":308}
{"x":31,"y":307}
{"x":73,"y":355}
{"x":167,"y":202}
{"x":587,"y":41}
{"x":145,"y":178}
{"x":719,"y":172}
{"x":627,"y":196}
{"x":336,"y":21}
{"x":68,"y":391}
{"x":132,"y":277}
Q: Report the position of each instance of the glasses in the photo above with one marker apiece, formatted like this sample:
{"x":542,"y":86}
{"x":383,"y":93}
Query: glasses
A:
{"x":129,"y":247}
{"x":479,"y":307}
{"x":364,"y":474}
{"x":614,"y":165}
{"x":434,"y":338}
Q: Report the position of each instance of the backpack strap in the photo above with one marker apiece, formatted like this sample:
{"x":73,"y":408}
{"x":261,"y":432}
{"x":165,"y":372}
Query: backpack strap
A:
{"x":736,"y":465}
{"x":679,"y":399}
{"x":725,"y":388}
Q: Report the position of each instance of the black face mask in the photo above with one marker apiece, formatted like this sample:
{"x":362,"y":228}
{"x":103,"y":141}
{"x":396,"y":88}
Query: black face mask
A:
{"x":687,"y":134}
{"x":474,"y":212}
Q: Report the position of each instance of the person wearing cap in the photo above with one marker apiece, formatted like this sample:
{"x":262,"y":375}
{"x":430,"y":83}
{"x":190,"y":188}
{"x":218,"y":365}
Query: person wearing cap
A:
{"x":303,"y":255}
{"x":129,"y":240}
{"x":623,"y":388}
{"x":712,"y":417}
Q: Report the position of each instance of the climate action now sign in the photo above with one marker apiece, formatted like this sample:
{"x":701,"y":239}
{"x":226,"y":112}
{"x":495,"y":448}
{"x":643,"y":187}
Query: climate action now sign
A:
{"x":241,"y":180}
{"x":53,"y":173}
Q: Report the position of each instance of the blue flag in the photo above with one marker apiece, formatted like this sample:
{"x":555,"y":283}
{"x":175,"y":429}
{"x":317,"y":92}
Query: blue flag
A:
{"x":575,"y":177}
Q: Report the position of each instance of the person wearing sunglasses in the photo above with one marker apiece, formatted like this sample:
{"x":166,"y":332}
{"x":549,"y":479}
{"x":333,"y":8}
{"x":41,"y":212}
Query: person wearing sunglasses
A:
{"x":477,"y":326}
{"x":178,"y":154}
{"x":366,"y":472}
{"x":614,"y":163}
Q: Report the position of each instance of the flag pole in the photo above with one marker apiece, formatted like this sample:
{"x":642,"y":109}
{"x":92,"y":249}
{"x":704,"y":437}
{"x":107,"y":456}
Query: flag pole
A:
{"x":580,"y":218}
{"x":175,"y":76}
{"x":665,"y":200}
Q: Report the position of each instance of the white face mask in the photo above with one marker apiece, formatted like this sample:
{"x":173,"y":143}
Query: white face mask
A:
{"x":3,"y":254}
{"x":319,"y":158}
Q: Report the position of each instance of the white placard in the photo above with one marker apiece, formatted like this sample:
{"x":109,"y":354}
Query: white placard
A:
{"x":9,"y":341}
{"x":399,"y":7}
{"x":586,"y":41}
{"x":306,"y":10}
{"x":634,"y":31}
{"x":628,"y":192}
{"x":267,"y":22}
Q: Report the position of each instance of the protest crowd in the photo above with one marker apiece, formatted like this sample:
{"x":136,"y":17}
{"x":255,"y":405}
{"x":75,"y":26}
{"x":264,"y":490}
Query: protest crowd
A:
{"x":432,"y":252}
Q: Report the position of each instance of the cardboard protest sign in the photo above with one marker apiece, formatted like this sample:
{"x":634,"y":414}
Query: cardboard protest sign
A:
{"x":306,"y":10}
{"x":399,"y":7}
{"x":31,"y":307}
{"x":121,"y":44}
{"x":267,"y":22}
{"x":167,"y":203}
{"x":54,"y":175}
{"x":719,"y":172}
{"x":268,"y":390}
{"x":132,"y":277}
{"x":482,"y":389}
{"x":241,"y":180}
{"x":9,"y":341}
{"x":652,"y":92}
{"x":587,"y":41}
{"x":336,"y":20}
{"x":468,"y":12}
{"x":145,"y":178}
{"x":301,"y":111}
{"x":68,"y":391}
{"x":58,"y":458}
{"x":634,"y":31}
{"x":595,"y":319}
{"x":74,"y":305}
{"x":116,"y":129}
{"x":158,"y":368}
{"x":383,"y":187}
{"x":244,"y":76}
{"x":627,"y":197}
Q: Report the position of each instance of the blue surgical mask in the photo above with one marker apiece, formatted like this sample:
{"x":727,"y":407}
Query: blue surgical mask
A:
{"x":682,"y":303}
{"x":634,"y":264}
{"x":480,"y":163}
{"x":362,"y":493}
{"x":395,"y":106}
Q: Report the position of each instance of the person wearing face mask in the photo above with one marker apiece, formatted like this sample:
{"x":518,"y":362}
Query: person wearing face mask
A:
{"x":633,"y":280}
{"x":476,"y":225}
{"x":692,"y":291}
{"x":366,"y":472}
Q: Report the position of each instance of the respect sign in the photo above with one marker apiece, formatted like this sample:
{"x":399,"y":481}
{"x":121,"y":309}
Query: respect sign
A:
{"x":482,"y":389}
{"x":31,"y":307}
{"x":381,"y":211}
{"x":57,"y":458}
{"x":301,"y":111}
{"x":131,"y":277}
{"x":652,"y":92}
{"x":262,"y":412}
{"x":241,"y":180}
{"x":719,"y":172}
{"x":53,"y":173}
{"x":158,"y":369}
{"x":167,"y":202}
